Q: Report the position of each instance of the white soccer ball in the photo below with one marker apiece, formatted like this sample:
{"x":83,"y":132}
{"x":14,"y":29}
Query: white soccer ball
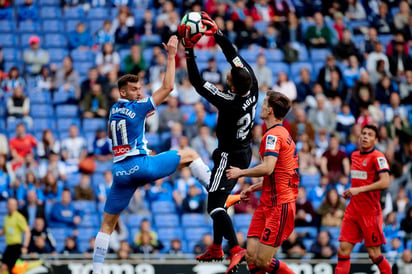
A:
{"x":194,"y":21}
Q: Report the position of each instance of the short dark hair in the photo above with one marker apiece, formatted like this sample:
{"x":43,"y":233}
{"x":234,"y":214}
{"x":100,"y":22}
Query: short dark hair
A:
{"x":279,"y":102}
{"x":128,"y":78}
{"x":241,"y":80}
{"x":372,"y":127}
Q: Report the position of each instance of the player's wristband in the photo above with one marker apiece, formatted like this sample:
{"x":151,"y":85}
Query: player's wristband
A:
{"x":189,"y":52}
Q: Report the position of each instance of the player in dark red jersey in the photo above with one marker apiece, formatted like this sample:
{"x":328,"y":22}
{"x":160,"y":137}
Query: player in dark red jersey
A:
{"x":363,"y":217}
{"x":274,"y":219}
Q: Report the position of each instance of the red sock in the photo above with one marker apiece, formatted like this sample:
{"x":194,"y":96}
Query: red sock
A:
{"x":383,"y":265}
{"x":253,"y":269}
{"x":278,"y":267}
{"x":343,"y":266}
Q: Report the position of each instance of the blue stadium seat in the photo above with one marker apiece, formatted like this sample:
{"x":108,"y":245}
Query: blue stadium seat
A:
{"x":153,"y":140}
{"x":134,"y":220}
{"x":307,"y":180}
{"x":261,"y":26}
{"x":82,"y":245}
{"x":2,"y":121}
{"x":3,"y":207}
{"x":195,"y":233}
{"x":50,"y":12}
{"x":311,"y":232}
{"x":74,"y":13}
{"x":41,"y":110}
{"x":151,"y":39}
{"x":52,"y":26}
{"x":82,"y":55}
{"x":24,"y":38}
{"x":48,"y":3}
{"x":385,"y":39}
{"x":308,"y":243}
{"x":39,"y":97}
{"x":2,"y":216}
{"x":148,"y":55}
{"x":93,"y":124}
{"x":7,"y":26}
{"x":58,"y":233}
{"x":70,"y":25}
{"x":55,"y":40}
{"x":103,"y":166}
{"x":85,"y":206}
{"x":195,"y":220}
{"x":11,"y":54}
{"x":355,"y":24}
{"x":83,"y":67}
{"x":40,"y":124}
{"x":99,"y":13}
{"x":333,"y":231}
{"x":63,"y":124}
{"x":303,"y":53}
{"x":57,"y":55}
{"x":12,"y":123}
{"x":296,"y":67}
{"x":90,"y":220}
{"x":319,"y":54}
{"x":277,"y":67}
{"x":166,"y":220}
{"x":95,"y":26}
{"x":66,"y":111}
{"x":73,"y":179}
{"x":316,"y":204}
{"x":159,"y":207}
{"x":203,"y":55}
{"x":29,"y":26}
{"x":6,"y":14}
{"x":242,"y":220}
{"x":249,"y":55}
{"x":274,"y":55}
{"x":8,"y":39}
{"x":168,"y":233}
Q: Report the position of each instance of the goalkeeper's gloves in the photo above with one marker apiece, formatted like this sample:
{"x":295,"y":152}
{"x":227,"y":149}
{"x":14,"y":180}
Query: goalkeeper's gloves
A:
{"x":212,"y":28}
{"x":188,"y":41}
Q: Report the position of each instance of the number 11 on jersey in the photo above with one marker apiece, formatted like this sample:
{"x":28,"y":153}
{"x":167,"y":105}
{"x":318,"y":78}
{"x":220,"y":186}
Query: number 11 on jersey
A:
{"x":119,"y":126}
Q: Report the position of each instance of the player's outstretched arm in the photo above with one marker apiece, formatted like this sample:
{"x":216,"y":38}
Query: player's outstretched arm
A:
{"x":263,"y":169}
{"x":381,"y":184}
{"x":168,"y":82}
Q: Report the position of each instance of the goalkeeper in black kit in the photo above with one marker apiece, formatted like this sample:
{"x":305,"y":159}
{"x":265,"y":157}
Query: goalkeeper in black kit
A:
{"x":237,"y":107}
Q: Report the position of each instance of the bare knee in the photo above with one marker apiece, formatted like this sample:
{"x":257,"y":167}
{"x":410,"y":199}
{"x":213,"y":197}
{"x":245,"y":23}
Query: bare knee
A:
{"x":250,"y":257}
{"x":345,"y":249}
{"x":262,"y":262}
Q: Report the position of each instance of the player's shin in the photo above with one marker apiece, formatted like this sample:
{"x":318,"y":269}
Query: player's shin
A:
{"x":343,"y":266}
{"x":278,"y":267}
{"x":383,"y":265}
{"x":201,"y":171}
{"x":100,"y":249}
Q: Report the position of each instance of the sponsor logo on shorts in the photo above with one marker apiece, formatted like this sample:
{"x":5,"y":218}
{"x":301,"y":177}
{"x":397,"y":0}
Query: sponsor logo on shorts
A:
{"x":128,"y":172}
{"x":357,"y":174}
{"x":383,"y":164}
{"x":121,"y":150}
{"x":271,"y":142}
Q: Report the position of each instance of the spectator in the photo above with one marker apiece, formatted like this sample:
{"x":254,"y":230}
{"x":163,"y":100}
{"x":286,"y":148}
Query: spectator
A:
{"x":321,"y":117}
{"x":70,"y":246}
{"x":130,"y":22}
{"x":175,"y":247}
{"x":318,"y":193}
{"x":160,"y":191}
{"x":92,"y":79}
{"x":345,"y":47}
{"x":304,"y":210}
{"x":304,"y":87}
{"x":74,"y":148}
{"x":204,"y":143}
{"x":402,"y":17}
{"x":29,"y":165}
{"x":307,"y":159}
{"x":212,"y":73}
{"x":1,"y":58}
{"x":383,"y":22}
{"x":391,"y":225}
{"x":364,"y":118}
{"x":145,"y":227}
{"x":147,"y":27}
{"x":345,"y":120}
{"x":194,"y":202}
{"x":44,"y":81}
{"x":104,"y":35}
{"x":21,"y":145}
{"x":384,"y":88}
{"x":404,"y":264}
{"x":170,"y":115}
{"x":368,"y":44}
{"x":248,"y":34}
{"x":407,"y":31}
{"x":324,"y":76}
{"x":395,"y":248}
{"x":187,"y":93}
{"x":269,"y":39}
{"x":319,"y":35}
{"x":28,"y":11}
{"x":13,"y":80}
{"x":336,"y":90}
{"x":355,"y":11}
{"x":47,"y":145}
{"x":323,"y":247}
{"x":334,"y":162}
{"x":52,"y":189}
{"x":124,"y":251}
{"x":103,"y":188}
{"x":14,"y":227}
{"x":42,"y":240}
{"x":67,"y":78}
{"x":95,"y":103}
{"x":134,"y":63}
{"x":137,"y":204}
{"x":4,"y":146}
{"x":331,"y":210}
{"x":285,"y":86}
{"x":35,"y":57}
{"x":89,"y":252}
{"x":124,"y":34}
{"x":203,"y":244}
{"x":28,"y":182}
{"x":170,"y":26}
{"x":262,"y":11}
{"x":405,"y":88}
{"x":293,"y":246}
{"x":182,"y":184}
{"x":157,"y":66}
{"x":83,"y":191}
{"x":6,"y":12}
{"x":395,"y":108}
{"x":120,"y":233}
{"x":302,"y":126}
{"x":5,"y":179}
{"x":33,"y":209}
{"x":401,"y":201}
{"x":252,"y":204}
{"x":18,"y":107}
{"x":53,"y":165}
{"x":111,"y":82}
{"x":363,"y":94}
{"x":102,"y":147}
{"x":63,"y":213}
{"x":374,"y":57}
{"x":384,"y":142}
{"x":263,"y":72}
{"x":400,"y":61}
{"x":291,"y":31}
{"x":145,"y":246}
{"x":107,"y":60}
{"x":398,"y":37}
{"x":80,"y":38}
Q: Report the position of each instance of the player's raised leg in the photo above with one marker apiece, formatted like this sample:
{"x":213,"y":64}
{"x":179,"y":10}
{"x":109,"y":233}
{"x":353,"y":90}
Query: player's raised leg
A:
{"x":251,"y":251}
{"x":344,"y":251}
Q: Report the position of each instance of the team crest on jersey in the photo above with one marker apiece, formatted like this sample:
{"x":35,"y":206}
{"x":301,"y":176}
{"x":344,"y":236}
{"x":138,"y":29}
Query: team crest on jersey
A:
{"x":237,"y":62}
{"x":364,"y":163}
{"x":271,"y":142}
{"x":382,"y":163}
{"x":212,"y":88}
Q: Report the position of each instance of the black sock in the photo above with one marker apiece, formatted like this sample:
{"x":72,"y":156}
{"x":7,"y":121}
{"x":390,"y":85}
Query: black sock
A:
{"x":223,"y":227}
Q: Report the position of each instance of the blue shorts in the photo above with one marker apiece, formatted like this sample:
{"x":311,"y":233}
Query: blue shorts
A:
{"x":135,"y":171}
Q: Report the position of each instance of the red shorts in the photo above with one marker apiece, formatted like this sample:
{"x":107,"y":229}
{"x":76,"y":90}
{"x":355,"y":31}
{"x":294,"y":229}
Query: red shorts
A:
{"x":357,"y":228}
{"x":273,"y":225}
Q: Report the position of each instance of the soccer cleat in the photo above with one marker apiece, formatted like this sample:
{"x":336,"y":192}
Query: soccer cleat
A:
{"x":213,"y":253}
{"x":236,"y":257}
{"x":232,"y":200}
{"x":20,"y":267}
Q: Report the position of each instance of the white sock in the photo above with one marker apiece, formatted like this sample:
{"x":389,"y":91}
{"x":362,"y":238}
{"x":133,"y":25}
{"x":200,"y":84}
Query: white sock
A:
{"x":100,"y":249}
{"x":201,"y":171}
